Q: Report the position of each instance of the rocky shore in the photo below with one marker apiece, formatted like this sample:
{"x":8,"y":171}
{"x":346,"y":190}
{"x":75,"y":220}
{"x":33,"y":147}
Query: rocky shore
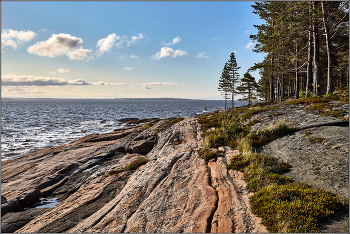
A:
{"x":174,"y":190}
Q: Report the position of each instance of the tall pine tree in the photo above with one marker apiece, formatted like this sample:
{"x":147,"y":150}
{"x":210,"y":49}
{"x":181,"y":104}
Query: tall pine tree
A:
{"x":234,"y":77}
{"x":224,"y":83}
{"x":248,"y":88}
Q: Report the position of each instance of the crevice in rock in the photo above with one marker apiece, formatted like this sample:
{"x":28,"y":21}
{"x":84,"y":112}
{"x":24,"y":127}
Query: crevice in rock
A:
{"x":211,"y":216}
{"x":338,"y":123}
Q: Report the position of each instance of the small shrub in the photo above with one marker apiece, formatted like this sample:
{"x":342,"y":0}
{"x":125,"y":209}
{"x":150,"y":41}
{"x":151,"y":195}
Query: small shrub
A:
{"x":338,"y":114}
{"x":145,"y":126}
{"x":307,"y":134}
{"x":316,"y":140}
{"x":211,"y":155}
{"x":318,"y":106}
{"x":113,"y":172}
{"x":237,"y":163}
{"x":132,"y":166}
{"x":296,"y":203}
{"x":136,"y":164}
{"x":344,"y":99}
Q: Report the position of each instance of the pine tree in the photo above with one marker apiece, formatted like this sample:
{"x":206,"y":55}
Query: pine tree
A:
{"x":248,"y":88}
{"x":234,"y":77}
{"x":224,"y":83}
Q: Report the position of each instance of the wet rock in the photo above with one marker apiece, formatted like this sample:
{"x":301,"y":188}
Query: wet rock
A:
{"x":10,"y":206}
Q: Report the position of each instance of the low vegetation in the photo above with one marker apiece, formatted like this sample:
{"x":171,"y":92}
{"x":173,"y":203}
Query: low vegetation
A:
{"x":132,"y":166}
{"x":283,"y":204}
{"x":170,"y":123}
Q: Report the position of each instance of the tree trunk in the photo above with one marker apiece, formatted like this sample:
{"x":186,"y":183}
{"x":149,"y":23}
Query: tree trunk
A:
{"x":296,"y":74}
{"x":329,"y":51}
{"x":233,"y":102}
{"x":282,"y":86}
{"x":272,"y":88}
{"x":308,"y":87}
{"x":316,"y":76}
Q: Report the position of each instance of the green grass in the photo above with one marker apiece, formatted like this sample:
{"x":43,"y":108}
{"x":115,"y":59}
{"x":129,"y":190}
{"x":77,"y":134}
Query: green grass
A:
{"x":132,"y":166}
{"x":252,"y":112}
{"x":338,"y":114}
{"x":319,"y":107}
{"x":259,"y":138}
{"x":210,"y":155}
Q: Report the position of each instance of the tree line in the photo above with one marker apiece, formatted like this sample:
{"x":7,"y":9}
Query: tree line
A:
{"x":306,"y":47}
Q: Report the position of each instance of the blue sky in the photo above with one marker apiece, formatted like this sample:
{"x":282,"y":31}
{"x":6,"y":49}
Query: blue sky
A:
{"x":122,"y":49}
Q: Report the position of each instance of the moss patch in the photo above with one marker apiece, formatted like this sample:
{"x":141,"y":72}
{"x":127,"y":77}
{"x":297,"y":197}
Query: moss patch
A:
{"x":316,"y":140}
{"x":210,"y":155}
{"x":132,"y":166}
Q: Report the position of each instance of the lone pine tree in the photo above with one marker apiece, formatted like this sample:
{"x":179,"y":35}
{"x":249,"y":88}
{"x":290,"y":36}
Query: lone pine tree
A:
{"x":248,"y":88}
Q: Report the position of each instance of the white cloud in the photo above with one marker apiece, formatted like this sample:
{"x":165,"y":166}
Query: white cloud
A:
{"x":250,"y":45}
{"x":105,"y":44}
{"x":128,"y":68}
{"x":173,"y":42}
{"x":122,"y":57}
{"x":61,"y":70}
{"x":201,"y":55}
{"x":124,"y":40}
{"x":60,"y":44}
{"x":30,"y":80}
{"x":167,"y":51}
{"x":133,"y":56}
{"x":134,"y":39}
{"x":14,"y":38}
{"x":78,"y":54}
{"x":107,"y":83}
{"x":246,"y":32}
{"x":146,"y":85}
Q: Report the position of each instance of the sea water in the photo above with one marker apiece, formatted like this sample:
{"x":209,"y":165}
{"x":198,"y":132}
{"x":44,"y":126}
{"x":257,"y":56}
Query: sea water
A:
{"x":32,"y":124}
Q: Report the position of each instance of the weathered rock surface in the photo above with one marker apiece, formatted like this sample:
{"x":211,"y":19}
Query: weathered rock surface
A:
{"x":175,"y":191}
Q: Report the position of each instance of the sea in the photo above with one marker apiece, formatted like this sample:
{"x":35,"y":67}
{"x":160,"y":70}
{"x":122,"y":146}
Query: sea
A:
{"x":32,"y":124}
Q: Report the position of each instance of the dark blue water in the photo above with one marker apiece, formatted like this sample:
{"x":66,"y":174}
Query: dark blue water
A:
{"x":28,"y":125}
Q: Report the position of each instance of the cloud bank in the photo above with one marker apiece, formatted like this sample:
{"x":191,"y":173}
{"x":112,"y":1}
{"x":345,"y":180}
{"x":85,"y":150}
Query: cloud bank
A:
{"x":60,"y":44}
{"x":16,"y":80}
{"x":168,"y":51}
{"x":14,"y":38}
{"x":30,"y":80}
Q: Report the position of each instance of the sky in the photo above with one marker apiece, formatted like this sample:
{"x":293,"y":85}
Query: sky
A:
{"x":107,"y":49}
